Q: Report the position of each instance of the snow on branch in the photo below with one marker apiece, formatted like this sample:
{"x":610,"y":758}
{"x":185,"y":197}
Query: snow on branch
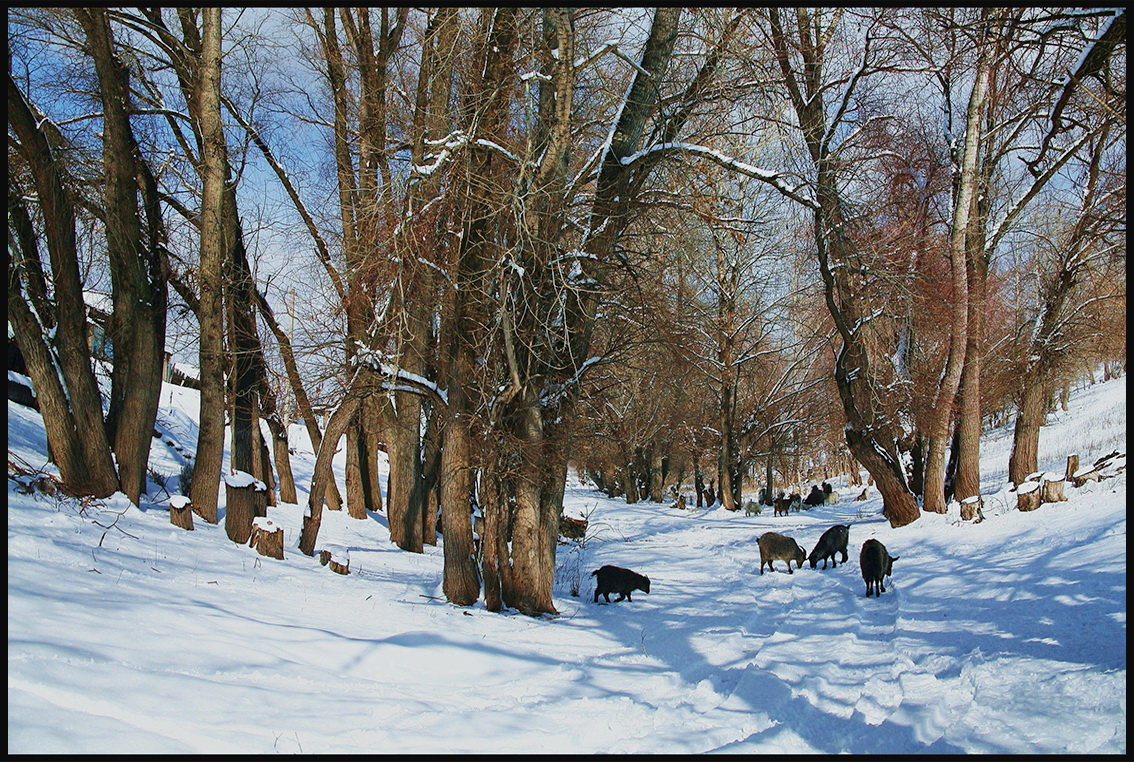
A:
{"x":776,"y":179}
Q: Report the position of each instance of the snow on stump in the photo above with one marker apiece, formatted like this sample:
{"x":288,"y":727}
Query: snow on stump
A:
{"x":247,"y":499}
{"x":971,"y":508}
{"x":1028,"y":496}
{"x":336,"y":559}
{"x":181,"y":512}
{"x":267,"y":537}
{"x":1051,"y":488}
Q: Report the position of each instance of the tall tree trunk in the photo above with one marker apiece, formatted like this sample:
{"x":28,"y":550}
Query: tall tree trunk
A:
{"x":245,"y":345}
{"x":139,"y":295}
{"x":963,"y":207}
{"x":869,"y":435}
{"x":411,"y":298}
{"x":210,"y":436}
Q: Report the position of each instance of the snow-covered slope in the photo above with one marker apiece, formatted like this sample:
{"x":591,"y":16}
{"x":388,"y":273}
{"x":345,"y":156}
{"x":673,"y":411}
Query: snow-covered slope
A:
{"x":128,"y":635}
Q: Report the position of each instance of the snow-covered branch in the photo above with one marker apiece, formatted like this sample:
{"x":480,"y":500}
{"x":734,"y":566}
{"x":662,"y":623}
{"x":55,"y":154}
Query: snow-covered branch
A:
{"x":777,"y":180}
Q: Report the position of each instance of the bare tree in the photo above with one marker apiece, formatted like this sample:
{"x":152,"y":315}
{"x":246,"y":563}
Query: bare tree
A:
{"x":60,"y":367}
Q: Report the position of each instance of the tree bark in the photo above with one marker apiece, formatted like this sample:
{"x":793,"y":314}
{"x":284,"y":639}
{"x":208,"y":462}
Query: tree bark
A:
{"x":460,"y":583}
{"x":1030,"y":416}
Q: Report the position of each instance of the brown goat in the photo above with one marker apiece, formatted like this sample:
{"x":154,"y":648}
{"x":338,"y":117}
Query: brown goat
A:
{"x":778,"y":547}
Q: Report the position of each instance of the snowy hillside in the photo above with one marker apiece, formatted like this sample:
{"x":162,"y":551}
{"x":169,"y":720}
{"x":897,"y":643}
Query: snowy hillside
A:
{"x":128,"y":635}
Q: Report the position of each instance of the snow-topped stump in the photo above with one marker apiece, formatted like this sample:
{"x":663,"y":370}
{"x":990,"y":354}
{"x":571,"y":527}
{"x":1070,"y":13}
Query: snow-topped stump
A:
{"x":336,"y":559}
{"x":971,"y":508}
{"x":267,"y":537}
{"x":1051,"y":488}
{"x":181,"y":512}
{"x":247,"y":498}
{"x":1028,"y":496}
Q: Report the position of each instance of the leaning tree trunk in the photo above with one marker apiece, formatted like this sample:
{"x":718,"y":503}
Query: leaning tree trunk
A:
{"x":302,"y":401}
{"x":323,"y":474}
{"x":71,"y":353}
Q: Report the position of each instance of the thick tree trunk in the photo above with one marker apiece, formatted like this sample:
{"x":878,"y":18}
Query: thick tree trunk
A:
{"x":1030,"y":416}
{"x":460,"y":583}
{"x":493,"y":543}
{"x":898,"y":503}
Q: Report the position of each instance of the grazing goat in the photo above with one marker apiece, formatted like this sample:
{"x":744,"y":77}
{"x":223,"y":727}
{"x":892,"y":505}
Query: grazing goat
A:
{"x":876,"y":564}
{"x":615,"y":579}
{"x":751,"y":508}
{"x":833,"y":541}
{"x":778,"y":547}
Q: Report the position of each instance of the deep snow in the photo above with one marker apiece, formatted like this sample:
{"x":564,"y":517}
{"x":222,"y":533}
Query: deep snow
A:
{"x":128,"y":635}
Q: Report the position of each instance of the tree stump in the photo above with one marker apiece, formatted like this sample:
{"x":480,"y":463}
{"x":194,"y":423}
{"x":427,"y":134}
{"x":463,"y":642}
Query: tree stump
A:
{"x":1072,"y":467}
{"x":1028,"y":496}
{"x":246,"y":500}
{"x":337,"y":560}
{"x":573,"y":528}
{"x":181,"y":512}
{"x":971,"y":508}
{"x":267,"y":537}
{"x":1051,"y":490}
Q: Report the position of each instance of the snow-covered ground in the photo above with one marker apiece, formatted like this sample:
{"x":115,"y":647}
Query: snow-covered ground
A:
{"x":127,"y":635}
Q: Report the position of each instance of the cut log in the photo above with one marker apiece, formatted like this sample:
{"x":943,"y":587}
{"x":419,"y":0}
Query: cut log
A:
{"x":1028,"y":496}
{"x":181,"y":512}
{"x":267,"y":537}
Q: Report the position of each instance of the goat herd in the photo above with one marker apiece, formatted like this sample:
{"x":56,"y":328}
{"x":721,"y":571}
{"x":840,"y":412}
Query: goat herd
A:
{"x":874,"y":560}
